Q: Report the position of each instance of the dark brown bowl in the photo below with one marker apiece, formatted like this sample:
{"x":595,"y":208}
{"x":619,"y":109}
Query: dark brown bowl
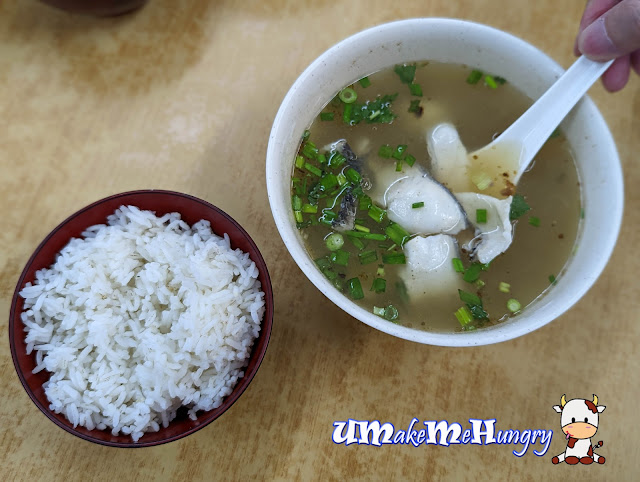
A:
{"x":101,"y":8}
{"x":192,"y":210}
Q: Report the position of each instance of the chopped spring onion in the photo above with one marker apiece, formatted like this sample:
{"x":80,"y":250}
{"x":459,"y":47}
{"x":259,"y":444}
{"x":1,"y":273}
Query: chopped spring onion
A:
{"x":355,"y":289}
{"x":299,"y":162}
{"x":309,"y":208}
{"x":298,"y":216}
{"x":376,"y":213}
{"x":364,"y":203}
{"x":472,"y":273}
{"x":357,"y":242}
{"x":348,"y":95}
{"x":417,"y":205}
{"x":362,"y":229}
{"x":401,"y":289}
{"x":296,"y":202}
{"x":371,"y":236}
{"x":482,"y":180}
{"x":321,"y":158}
{"x":312,"y":169}
{"x":342,"y":180}
{"x":390,"y":313}
{"x":352,"y":175}
{"x":327,"y":217}
{"x":500,"y":80}
{"x":378,"y":311}
{"x":323,"y":263}
{"x":334,"y":241}
{"x":397,"y":234}
{"x":534,"y":221}
{"x":340,"y":257}
{"x":398,"y":166}
{"x":513,"y":305}
{"x":305,"y":135}
{"x":464,"y":316}
{"x":326,"y":116}
{"x":474,"y":77}
{"x":328,"y":182}
{"x":457,"y":265}
{"x":309,"y":150}
{"x":552,"y":279}
{"x":479,"y":283}
{"x":394,"y":258}
{"x":410,"y":160}
{"x":367,"y":257}
{"x":504,"y":287}
{"x":481,"y":216}
{"x":336,"y":159}
{"x":415,"y":89}
{"x":365,"y":82}
{"x":399,"y":152}
{"x":380,"y":271}
{"x":385,"y":151}
{"x":347,"y":113}
{"x":490,"y":82}
{"x":379,"y":285}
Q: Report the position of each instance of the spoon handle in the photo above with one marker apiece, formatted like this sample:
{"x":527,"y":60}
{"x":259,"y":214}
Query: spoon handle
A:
{"x":535,"y":126}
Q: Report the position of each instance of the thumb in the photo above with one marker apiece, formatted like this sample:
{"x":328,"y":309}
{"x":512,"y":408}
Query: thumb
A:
{"x":614,"y":34}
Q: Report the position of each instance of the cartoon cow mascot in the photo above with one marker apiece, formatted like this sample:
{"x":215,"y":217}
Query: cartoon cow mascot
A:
{"x":579,"y":422}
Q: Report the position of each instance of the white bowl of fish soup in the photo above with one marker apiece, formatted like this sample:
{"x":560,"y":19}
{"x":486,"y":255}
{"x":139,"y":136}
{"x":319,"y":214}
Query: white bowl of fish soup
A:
{"x":559,"y":248}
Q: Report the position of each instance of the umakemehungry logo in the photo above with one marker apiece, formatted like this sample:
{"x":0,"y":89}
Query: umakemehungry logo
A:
{"x":480,"y":432}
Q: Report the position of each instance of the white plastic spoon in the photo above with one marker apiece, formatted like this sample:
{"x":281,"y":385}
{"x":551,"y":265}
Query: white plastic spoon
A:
{"x":515,"y":148}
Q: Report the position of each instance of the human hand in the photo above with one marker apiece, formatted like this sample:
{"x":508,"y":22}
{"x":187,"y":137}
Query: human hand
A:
{"x":610,"y":29}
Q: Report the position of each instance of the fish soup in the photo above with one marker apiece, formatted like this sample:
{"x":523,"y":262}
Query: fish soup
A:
{"x":402,"y":221}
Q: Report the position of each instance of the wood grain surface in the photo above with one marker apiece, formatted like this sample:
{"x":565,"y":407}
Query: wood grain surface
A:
{"x":181,"y":95}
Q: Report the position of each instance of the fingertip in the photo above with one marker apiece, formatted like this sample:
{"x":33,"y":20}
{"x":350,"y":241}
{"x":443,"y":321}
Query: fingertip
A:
{"x":617,"y":76}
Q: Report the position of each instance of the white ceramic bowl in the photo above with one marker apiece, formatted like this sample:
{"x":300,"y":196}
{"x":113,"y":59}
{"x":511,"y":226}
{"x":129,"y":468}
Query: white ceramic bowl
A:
{"x":488,"y":49}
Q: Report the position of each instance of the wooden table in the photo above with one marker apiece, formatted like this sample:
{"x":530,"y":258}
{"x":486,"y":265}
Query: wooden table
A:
{"x":181,"y":96}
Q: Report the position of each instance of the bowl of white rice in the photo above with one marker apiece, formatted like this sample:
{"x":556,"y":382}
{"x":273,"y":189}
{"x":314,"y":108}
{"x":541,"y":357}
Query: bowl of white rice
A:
{"x":141,"y":318}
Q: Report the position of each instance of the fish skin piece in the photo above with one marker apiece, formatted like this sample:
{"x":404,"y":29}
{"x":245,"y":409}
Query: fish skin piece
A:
{"x":493,"y":237}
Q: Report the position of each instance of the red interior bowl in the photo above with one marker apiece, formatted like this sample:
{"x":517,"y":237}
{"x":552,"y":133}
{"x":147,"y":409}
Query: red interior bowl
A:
{"x":192,"y":210}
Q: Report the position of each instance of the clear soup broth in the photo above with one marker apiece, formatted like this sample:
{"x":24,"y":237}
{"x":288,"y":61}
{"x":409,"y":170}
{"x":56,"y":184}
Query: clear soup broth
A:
{"x":396,"y":108}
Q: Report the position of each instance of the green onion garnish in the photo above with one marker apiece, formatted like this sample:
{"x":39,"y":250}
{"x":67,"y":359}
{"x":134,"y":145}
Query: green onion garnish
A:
{"x":500,"y":80}
{"x":385,"y":151}
{"x":371,"y":236}
{"x":379,"y":285}
{"x":472,"y":273}
{"x":365,"y":82}
{"x":326,"y":116}
{"x":415,"y":89}
{"x":552,"y":279}
{"x":362,"y":229}
{"x":328,"y":182}
{"x":352,"y":175}
{"x":504,"y":287}
{"x":457,"y":265}
{"x":390,"y":313}
{"x":299,"y":162}
{"x":321,"y":158}
{"x":534,"y":221}
{"x":474,"y":77}
{"x":376,"y":213}
{"x":346,"y":114}
{"x":342,"y":180}
{"x":474,"y":303}
{"x":397,"y":234}
{"x":464,"y":316}
{"x":336,"y":159}
{"x":348,"y":95}
{"x":340,"y":257}
{"x":513,"y":305}
{"x":309,"y":208}
{"x":398,"y":166}
{"x":405,"y":72}
{"x":334,"y":241}
{"x":305,"y":135}
{"x":380,"y":271}
{"x":323,"y":262}
{"x":364,"y":203}
{"x":490,"y":82}
{"x":367,"y":257}
{"x":481,"y":216}
{"x":482,"y":180}
{"x":410,"y":160}
{"x":296,"y":202}
{"x":399,"y":152}
{"x":298,"y":216}
{"x":312,"y":169}
{"x":417,"y":205}
{"x":357,"y":242}
{"x":401,"y":289}
{"x":479,"y":283}
{"x":518,"y":207}
{"x":414,"y":106}
{"x":378,"y":311}
{"x":394,"y":258}
{"x":327,"y":217}
{"x":355,"y":289}
{"x":309,"y":150}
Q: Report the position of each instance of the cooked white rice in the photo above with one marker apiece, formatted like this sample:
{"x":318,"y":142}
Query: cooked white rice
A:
{"x":142,"y":316}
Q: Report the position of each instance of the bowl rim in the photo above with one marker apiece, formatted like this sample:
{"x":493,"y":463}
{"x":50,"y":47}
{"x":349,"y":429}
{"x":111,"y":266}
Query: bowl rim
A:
{"x":497,"y":333}
{"x":242,"y":384}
